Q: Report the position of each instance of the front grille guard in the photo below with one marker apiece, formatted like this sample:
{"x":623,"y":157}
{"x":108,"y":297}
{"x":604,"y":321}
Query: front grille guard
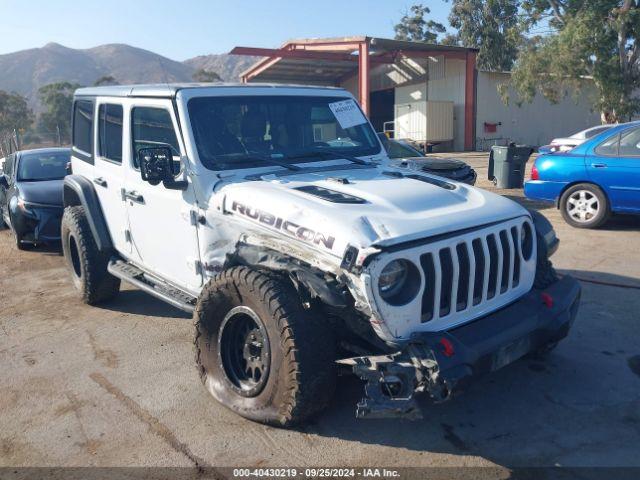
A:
{"x":463,"y":277}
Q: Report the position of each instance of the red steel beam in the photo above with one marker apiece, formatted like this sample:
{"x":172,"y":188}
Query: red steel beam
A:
{"x":349,"y":46}
{"x":307,"y":52}
{"x":470,"y":101}
{"x":363,"y":76}
{"x":303,"y":54}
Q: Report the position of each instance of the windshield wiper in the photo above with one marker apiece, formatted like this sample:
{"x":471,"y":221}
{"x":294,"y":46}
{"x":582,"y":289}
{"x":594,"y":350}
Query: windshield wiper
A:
{"x":325,"y":153}
{"x":269,"y":159}
{"x":39,"y":179}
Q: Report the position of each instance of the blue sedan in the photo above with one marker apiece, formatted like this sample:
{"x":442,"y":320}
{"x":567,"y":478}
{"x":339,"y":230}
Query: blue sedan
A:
{"x":598,"y":177}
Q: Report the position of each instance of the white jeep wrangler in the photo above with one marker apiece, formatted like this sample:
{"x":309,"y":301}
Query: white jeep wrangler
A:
{"x":273,"y":214}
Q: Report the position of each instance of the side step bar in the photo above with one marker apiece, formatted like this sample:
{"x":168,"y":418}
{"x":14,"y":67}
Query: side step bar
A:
{"x":152,"y":285}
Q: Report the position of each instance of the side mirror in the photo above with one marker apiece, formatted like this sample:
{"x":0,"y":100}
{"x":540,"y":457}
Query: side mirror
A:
{"x":4,"y":182}
{"x":155,"y":164}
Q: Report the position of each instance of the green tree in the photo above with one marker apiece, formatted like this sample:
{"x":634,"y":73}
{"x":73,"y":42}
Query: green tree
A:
{"x":415,"y":27}
{"x":590,"y":42}
{"x":105,"y":80}
{"x":206,"y":76}
{"x":14,"y":112}
{"x":492,"y":26}
{"x":57,"y":98}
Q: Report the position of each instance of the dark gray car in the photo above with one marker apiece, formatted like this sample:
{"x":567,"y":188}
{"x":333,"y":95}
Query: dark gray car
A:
{"x":411,"y":157}
{"x":31,"y":194}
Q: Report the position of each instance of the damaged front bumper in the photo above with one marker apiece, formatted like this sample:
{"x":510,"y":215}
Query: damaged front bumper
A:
{"x":439,"y":363}
{"x":38,"y":223}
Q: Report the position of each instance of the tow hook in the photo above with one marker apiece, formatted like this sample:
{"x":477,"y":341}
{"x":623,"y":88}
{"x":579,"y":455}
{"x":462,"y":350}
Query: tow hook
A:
{"x":393,"y":380}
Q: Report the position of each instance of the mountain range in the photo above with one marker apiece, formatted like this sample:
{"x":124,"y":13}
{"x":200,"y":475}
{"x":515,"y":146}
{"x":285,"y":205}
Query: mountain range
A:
{"x":26,"y":71}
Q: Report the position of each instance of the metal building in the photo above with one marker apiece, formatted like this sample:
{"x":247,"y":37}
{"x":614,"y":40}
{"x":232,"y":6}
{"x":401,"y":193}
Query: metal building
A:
{"x":431,"y":94}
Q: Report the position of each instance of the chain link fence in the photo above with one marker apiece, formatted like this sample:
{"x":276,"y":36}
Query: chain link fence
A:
{"x":14,"y":140}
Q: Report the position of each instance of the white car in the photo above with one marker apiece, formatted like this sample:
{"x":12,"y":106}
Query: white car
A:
{"x":297,"y":253}
{"x":563,"y":144}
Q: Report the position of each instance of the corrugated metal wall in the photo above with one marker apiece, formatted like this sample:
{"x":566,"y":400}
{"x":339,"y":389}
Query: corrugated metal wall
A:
{"x":439,"y":121}
{"x":424,"y":121}
{"x":532,"y":124}
{"x":450,"y":87}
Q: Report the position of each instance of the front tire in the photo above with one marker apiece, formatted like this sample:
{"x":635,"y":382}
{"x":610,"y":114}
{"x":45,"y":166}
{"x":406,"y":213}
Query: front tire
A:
{"x":20,"y":244}
{"x":259,"y":352}
{"x":86,"y":264}
{"x":584,"y":206}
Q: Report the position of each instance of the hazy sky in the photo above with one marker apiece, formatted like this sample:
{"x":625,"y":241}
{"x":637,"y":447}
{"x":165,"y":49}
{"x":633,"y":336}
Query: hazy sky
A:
{"x":180,"y":29}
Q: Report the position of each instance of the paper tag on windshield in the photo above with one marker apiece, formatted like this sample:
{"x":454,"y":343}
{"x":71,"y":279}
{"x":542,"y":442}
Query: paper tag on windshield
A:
{"x":347,"y":113}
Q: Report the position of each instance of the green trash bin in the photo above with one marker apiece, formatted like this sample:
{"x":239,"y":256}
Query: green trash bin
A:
{"x":507,"y":165}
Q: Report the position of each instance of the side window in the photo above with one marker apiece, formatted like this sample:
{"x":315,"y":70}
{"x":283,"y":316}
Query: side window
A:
{"x":110,"y":132}
{"x":609,"y":147}
{"x":630,"y":143}
{"x":83,"y":128}
{"x":152,"y":127}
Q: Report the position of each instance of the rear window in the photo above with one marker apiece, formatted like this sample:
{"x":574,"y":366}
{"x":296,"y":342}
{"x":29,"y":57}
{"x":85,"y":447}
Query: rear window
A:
{"x":83,"y":128}
{"x":596,"y":131}
{"x":110,"y":132}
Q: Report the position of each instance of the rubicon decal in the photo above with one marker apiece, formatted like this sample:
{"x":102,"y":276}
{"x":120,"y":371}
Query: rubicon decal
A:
{"x":286,"y":226}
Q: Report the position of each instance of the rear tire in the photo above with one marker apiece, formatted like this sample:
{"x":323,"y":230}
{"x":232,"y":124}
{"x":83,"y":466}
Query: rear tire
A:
{"x":86,"y":264}
{"x":281,"y":371}
{"x":584,"y":206}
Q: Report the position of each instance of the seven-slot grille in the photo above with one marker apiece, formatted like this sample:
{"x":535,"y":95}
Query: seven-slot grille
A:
{"x":470,"y":272}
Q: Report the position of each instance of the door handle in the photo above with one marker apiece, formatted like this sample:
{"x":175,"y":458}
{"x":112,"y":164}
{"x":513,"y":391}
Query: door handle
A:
{"x":599,"y":165}
{"x":134,"y":196}
{"x":100,"y":181}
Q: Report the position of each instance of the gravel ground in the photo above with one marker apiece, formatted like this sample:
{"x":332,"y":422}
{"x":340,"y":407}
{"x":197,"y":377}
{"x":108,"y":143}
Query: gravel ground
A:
{"x":116,"y":385}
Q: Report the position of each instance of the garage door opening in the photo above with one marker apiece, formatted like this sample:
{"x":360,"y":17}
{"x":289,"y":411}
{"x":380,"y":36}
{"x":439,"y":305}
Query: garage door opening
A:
{"x":381,"y":107}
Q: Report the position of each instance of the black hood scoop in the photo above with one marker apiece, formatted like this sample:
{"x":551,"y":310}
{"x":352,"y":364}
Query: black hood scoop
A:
{"x":330,"y":195}
{"x":421,"y":178}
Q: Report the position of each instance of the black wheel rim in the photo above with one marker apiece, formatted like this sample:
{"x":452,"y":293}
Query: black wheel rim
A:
{"x":75,"y":257}
{"x":244,"y":351}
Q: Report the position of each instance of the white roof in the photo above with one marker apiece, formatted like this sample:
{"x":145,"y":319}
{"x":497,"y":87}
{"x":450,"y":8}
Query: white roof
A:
{"x":169,"y":90}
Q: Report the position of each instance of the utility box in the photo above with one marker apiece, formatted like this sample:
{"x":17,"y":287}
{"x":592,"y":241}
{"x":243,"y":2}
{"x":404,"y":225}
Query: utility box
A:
{"x":424,"y":121}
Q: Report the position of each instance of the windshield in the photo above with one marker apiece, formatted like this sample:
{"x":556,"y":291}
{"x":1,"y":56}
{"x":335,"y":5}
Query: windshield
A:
{"x":248,"y":131}
{"x":34,"y":167}
{"x":397,"y":149}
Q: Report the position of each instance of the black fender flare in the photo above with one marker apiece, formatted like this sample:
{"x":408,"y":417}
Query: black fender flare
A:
{"x":79,"y":191}
{"x":547,"y":240}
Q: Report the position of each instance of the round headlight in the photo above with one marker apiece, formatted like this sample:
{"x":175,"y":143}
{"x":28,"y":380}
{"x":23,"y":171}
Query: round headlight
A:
{"x":526,"y":241}
{"x":399,"y":282}
{"x":392,"y":278}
